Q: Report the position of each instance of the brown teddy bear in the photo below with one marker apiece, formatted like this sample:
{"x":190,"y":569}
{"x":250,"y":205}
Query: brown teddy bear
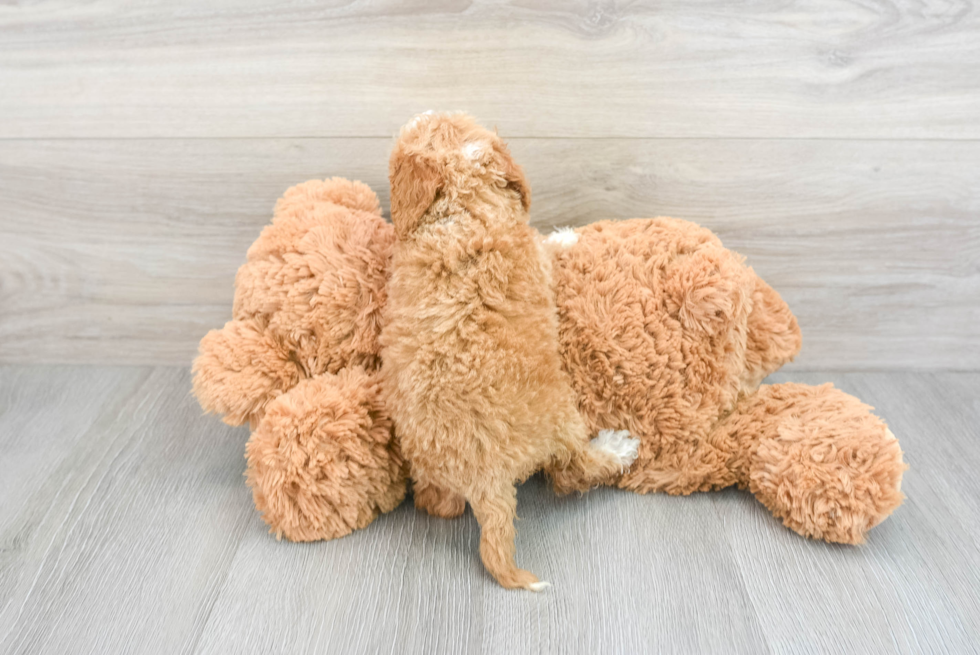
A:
{"x":662,"y":331}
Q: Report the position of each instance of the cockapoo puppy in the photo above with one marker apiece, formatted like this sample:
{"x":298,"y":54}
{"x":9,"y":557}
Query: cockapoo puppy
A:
{"x":471,"y":367}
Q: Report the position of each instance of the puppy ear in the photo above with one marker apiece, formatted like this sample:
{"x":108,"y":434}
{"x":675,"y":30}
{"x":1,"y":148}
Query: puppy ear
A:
{"x":415,"y":181}
{"x":514,"y":175}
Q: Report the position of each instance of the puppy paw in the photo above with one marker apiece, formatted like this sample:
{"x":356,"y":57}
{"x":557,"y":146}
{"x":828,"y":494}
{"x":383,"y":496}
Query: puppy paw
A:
{"x":618,"y":443}
{"x":438,"y":502}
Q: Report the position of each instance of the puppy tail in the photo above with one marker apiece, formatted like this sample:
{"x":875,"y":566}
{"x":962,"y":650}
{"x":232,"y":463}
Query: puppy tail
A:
{"x":602,"y":461}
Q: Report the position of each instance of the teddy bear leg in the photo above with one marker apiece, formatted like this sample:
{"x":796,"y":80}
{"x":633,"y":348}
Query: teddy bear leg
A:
{"x":817,"y":458}
{"x":239,"y":369}
{"x":323,"y":461}
{"x":437,"y":501}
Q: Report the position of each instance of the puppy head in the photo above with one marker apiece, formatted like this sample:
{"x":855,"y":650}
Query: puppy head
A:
{"x":448,"y":154}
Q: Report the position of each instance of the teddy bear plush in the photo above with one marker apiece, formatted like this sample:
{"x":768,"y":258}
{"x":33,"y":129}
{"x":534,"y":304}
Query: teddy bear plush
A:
{"x":662,"y":330}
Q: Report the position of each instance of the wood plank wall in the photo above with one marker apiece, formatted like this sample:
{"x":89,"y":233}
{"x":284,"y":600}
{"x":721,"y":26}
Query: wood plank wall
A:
{"x":835,"y":144}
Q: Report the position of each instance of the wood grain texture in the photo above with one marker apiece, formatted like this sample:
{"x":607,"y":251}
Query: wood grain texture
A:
{"x":143,"y":144}
{"x":125,"y":251}
{"x":899,"y":593}
{"x":122,"y":529}
{"x":130,"y":529}
{"x":656,"y":68}
{"x":415,"y":584}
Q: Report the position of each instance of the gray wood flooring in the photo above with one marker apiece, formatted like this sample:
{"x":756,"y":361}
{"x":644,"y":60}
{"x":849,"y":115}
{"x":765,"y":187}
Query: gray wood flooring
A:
{"x":126,"y":527}
{"x":143,"y":143}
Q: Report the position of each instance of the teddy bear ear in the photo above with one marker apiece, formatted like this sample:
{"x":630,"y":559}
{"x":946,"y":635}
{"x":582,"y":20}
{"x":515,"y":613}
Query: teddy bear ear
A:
{"x":415,"y":181}
{"x":514,"y":175}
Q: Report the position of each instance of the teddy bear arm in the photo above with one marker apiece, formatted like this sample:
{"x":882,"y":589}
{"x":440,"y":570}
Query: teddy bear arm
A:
{"x":239,"y":369}
{"x":816,"y":457}
{"x":773,"y":337}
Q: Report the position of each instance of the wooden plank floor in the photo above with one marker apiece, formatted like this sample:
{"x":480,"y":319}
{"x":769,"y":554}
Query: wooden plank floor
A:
{"x":836,"y":144}
{"x":125,"y":526}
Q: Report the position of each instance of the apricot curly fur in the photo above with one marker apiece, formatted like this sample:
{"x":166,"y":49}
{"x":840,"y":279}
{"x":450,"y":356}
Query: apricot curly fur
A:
{"x":437,"y":502}
{"x":667,"y":333}
{"x":316,"y":276}
{"x":471,"y":369}
{"x":653,"y":326}
{"x":308,"y":300}
{"x":240,"y":368}
{"x":660,"y":330}
{"x":308,"y":303}
{"x":323,"y":461}
{"x":817,"y":458}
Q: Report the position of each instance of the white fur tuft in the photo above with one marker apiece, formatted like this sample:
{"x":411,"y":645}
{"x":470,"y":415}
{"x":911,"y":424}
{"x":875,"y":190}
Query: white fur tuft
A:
{"x":891,"y":435}
{"x":538,"y":586}
{"x":473,"y":150}
{"x":415,"y":121}
{"x":618,"y":443}
{"x":566,"y":237}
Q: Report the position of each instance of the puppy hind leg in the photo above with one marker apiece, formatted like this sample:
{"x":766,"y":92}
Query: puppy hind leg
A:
{"x":438,"y":501}
{"x":600,"y":461}
{"x":496,"y":508}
